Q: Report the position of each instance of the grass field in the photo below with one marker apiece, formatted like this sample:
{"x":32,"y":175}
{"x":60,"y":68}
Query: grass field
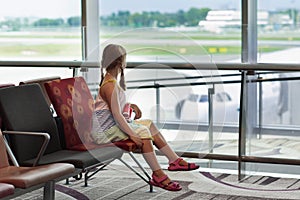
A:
{"x":68,"y":43}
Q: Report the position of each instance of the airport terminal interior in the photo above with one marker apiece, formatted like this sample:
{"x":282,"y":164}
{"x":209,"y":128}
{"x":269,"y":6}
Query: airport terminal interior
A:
{"x":220,"y":80}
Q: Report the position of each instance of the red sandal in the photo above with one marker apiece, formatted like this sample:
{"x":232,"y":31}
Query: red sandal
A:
{"x":175,"y":166}
{"x":171,"y":186}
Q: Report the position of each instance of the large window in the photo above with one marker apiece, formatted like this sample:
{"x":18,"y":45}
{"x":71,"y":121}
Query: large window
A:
{"x":36,"y":30}
{"x":278,"y":31}
{"x":174,"y":31}
{"x":40,"y":30}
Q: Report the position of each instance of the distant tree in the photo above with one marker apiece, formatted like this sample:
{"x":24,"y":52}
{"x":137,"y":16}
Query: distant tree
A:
{"x":123,"y":17}
{"x":194,"y":15}
{"x":25,"y":22}
{"x":155,"y":18}
{"x":293,"y":13}
{"x":12,"y":24}
{"x":136,"y":20}
{"x":74,"y":21}
{"x":58,"y":22}
{"x":49,"y":22}
{"x":180,"y":17}
{"x":171,"y":20}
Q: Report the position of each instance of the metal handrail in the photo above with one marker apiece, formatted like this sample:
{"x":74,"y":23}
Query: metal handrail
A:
{"x":162,"y":65}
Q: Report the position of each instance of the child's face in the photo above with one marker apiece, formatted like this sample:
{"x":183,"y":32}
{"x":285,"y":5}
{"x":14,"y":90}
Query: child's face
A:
{"x":121,"y":65}
{"x":124,"y":62}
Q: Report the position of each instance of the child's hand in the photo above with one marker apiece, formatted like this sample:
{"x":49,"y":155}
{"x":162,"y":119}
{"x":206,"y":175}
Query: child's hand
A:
{"x":138,"y":112}
{"x":138,"y":141}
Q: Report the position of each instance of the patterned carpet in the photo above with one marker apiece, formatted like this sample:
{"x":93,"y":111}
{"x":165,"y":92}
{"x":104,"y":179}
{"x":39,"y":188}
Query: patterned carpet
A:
{"x":116,"y":182}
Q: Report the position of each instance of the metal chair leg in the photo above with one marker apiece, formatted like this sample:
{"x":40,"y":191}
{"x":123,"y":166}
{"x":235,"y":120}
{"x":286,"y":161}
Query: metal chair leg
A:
{"x":49,"y":190}
{"x":147,"y":179}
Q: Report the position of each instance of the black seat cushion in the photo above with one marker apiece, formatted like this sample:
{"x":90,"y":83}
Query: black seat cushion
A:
{"x":81,"y":159}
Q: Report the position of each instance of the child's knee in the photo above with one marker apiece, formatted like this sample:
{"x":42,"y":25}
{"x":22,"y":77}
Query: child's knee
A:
{"x":147,"y":145}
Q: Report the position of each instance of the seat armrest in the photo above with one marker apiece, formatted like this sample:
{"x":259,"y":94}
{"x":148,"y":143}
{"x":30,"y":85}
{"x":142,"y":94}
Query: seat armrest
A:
{"x":38,"y":134}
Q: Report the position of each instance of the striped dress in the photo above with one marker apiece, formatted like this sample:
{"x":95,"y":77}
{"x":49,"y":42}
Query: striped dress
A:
{"x":105,"y":128}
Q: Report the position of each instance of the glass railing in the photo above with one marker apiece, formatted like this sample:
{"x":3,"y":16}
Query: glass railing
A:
{"x":243,"y":117}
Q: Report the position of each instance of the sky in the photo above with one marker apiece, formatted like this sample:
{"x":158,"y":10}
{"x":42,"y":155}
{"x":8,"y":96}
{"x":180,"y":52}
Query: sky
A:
{"x":40,"y":8}
{"x":67,"y":8}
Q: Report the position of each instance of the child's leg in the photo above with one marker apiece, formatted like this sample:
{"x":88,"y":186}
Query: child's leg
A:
{"x":150,"y":157}
{"x":146,"y":128}
{"x":163,"y":146}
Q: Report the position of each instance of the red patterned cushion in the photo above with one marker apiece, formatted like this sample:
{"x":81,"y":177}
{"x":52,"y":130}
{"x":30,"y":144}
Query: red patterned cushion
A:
{"x":73,"y":102}
{"x":127,"y":145}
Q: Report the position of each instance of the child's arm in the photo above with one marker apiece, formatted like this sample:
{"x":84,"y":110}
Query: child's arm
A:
{"x":138,"y":112}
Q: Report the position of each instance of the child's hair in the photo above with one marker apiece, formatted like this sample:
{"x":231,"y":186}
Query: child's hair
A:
{"x":113,"y":54}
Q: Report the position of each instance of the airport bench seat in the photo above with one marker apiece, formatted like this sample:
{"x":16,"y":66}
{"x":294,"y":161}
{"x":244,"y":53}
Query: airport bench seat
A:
{"x":28,"y":178}
{"x":24,"y":108}
{"x":74,"y":104}
{"x":25,"y":177}
{"x":6,"y":190}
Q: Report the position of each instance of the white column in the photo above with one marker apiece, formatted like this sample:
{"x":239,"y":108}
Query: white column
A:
{"x":90,"y":40}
